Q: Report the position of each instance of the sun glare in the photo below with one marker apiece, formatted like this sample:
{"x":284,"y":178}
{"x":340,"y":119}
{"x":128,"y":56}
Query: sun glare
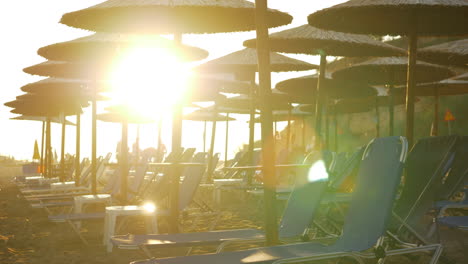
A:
{"x":149,"y":80}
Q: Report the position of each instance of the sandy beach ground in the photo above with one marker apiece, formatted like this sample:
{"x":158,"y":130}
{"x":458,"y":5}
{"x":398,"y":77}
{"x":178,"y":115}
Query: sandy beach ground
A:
{"x":26,"y":236}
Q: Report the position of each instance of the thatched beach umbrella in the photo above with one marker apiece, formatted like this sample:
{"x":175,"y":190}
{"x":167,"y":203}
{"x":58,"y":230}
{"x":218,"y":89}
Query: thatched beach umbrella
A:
{"x":306,"y":39}
{"x":391,"y":71}
{"x":436,"y":89}
{"x":124,"y":115}
{"x":49,"y":107}
{"x":395,"y":17}
{"x":205,"y":115}
{"x":454,"y":53}
{"x":100,"y":51}
{"x":244,"y":63}
{"x":105,"y":48}
{"x":42,"y":119}
{"x":187,"y":16}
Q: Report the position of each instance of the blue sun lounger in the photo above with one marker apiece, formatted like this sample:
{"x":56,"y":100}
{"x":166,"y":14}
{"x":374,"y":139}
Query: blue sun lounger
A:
{"x":365,"y":223}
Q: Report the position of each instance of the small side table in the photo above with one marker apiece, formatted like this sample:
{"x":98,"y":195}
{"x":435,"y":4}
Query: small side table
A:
{"x":112,"y":212}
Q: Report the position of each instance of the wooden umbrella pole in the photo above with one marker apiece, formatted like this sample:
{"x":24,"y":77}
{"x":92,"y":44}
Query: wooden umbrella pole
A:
{"x":62,"y":150}
{"x":94,"y":140}
{"x":77,"y":150}
{"x":48,"y":150}
{"x":176,"y":146}
{"x":250,"y":151}
{"x":410,"y":86}
{"x":303,"y":134}
{"x":160,"y":151}
{"x":204,"y":136}
{"x":318,"y":103}
{"x":226,"y":141}
{"x":42,"y":147}
{"x":210,"y":166}
{"x":391,"y":103}
{"x":436,"y":112}
{"x":335,"y":119}
{"x":377,"y":117}
{"x":124,"y":162}
{"x":288,"y":135}
{"x":327,"y":124}
{"x":268,"y":148}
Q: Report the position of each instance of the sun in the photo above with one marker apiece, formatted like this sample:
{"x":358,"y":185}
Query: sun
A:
{"x":150,"y":80}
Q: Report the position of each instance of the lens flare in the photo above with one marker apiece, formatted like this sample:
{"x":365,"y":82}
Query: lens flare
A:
{"x":318,"y":172}
{"x":148,"y":79}
{"x":149,"y":207}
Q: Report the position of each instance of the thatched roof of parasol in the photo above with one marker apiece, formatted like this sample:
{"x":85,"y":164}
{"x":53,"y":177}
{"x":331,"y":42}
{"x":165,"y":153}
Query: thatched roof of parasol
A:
{"x":246,"y":60}
{"x":453,"y":53}
{"x":105,"y":47}
{"x":311,"y":40}
{"x":392,"y":17}
{"x":378,"y":71}
{"x":305,"y":88}
{"x":168,"y":17}
{"x":42,"y":119}
{"x":442,"y":88}
{"x":57,"y":85}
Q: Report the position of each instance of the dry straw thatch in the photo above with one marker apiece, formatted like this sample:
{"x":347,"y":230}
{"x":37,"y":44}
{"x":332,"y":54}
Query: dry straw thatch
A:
{"x":45,"y":106}
{"x":104,"y":48}
{"x":42,"y":119}
{"x":69,"y":70}
{"x":171,"y":16}
{"x":61,"y":85}
{"x":246,"y":60}
{"x":206,"y":115}
{"x":394,"y":17}
{"x":305,"y":87}
{"x":453,"y":53}
{"x":378,"y":71}
{"x":442,"y":88}
{"x":306,"y":39}
{"x":278,"y":101}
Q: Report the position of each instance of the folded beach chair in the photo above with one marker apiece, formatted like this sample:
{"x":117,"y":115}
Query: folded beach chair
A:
{"x":427,"y":164}
{"x":188,"y":187}
{"x":365,"y":225}
{"x":297,"y":216}
{"x":60,"y":187}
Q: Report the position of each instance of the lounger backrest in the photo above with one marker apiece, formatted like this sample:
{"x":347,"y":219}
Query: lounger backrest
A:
{"x":427,"y":163}
{"x":302,"y":205}
{"x":372,"y":200}
{"x":458,"y":173}
{"x":192,"y":178}
{"x":342,"y":172}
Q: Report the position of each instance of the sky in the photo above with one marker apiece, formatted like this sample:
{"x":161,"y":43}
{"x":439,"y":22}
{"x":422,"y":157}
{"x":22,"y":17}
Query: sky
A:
{"x":27,"y":25}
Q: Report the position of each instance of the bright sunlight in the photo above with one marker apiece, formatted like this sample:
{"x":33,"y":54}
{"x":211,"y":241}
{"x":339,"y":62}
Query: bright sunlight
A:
{"x":148,"y":79}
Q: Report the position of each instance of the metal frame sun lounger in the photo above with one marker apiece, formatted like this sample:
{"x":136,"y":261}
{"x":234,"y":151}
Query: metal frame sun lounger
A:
{"x":365,"y":224}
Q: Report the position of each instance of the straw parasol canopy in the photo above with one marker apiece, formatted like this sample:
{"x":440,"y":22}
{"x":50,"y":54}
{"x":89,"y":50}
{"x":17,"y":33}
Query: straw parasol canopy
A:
{"x":463,"y":77}
{"x":453,"y":53}
{"x":167,"y":17}
{"x":206,"y":115}
{"x":104,"y":48}
{"x":303,"y":87}
{"x":391,"y":17}
{"x":443,"y":88}
{"x":64,"y":87}
{"x":69,"y":70}
{"x":391,"y":70}
{"x":279,"y":101}
{"x":35,"y":108}
{"x":246,"y":61}
{"x":42,"y":119}
{"x":306,"y":39}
